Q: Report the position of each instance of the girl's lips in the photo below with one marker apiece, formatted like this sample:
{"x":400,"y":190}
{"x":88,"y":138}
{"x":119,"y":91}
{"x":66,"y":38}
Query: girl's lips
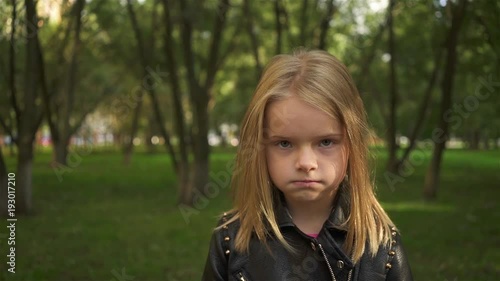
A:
{"x":305,"y":183}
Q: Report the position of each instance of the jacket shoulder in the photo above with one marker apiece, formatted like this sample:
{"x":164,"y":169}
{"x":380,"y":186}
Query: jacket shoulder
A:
{"x":397,"y":266}
{"x":389,"y":263}
{"x":220,"y":249}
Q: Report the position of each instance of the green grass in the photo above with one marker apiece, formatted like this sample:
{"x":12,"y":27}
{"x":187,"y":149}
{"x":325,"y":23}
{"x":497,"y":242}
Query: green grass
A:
{"x":103,"y":218}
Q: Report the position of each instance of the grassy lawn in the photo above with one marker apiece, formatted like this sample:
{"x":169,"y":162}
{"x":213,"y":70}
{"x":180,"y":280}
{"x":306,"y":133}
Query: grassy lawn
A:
{"x":102,"y":220}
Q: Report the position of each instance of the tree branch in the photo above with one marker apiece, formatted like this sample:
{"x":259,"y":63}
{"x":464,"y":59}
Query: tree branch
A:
{"x":174,"y":85}
{"x":489,"y":37}
{"x":6,"y":127}
{"x":151,"y":90}
{"x":231,"y":44}
{"x":365,"y":65}
{"x":73,"y":69}
{"x":424,"y":106}
{"x":45,"y":93}
{"x":219,"y":24}
{"x":187,"y":45}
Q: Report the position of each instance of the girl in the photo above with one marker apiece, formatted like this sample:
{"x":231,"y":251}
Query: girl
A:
{"x":304,"y":206}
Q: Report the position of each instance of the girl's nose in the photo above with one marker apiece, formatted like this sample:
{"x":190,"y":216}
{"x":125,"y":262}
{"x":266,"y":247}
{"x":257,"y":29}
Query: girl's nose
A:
{"x":306,"y":160}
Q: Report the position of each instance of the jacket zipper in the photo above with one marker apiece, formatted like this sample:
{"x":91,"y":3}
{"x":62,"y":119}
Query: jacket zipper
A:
{"x":330,"y":267}
{"x":241,"y":277}
{"x":327,"y":262}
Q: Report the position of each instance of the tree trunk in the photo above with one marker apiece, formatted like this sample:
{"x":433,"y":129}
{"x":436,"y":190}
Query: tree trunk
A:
{"x":277,"y":14}
{"x":200,"y":93}
{"x":3,"y":186}
{"x":129,"y":146}
{"x":369,"y":57}
{"x":440,"y":134}
{"x":61,"y":152}
{"x":185,"y":186}
{"x":151,"y":88}
{"x":12,"y":65}
{"x":486,"y":140}
{"x":150,"y":132}
{"x":183,"y":168}
{"x":391,"y":123}
{"x":62,"y":128}
{"x":253,"y":37}
{"x":24,"y":196}
{"x":28,"y":117}
{"x":433,"y":173}
{"x":303,"y":23}
{"x":423,"y":109}
{"x":474,"y":140}
{"x":325,"y":24}
{"x":202,"y":150}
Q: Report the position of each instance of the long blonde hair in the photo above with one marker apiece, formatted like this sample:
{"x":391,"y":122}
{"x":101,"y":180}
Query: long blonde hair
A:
{"x":321,"y":80}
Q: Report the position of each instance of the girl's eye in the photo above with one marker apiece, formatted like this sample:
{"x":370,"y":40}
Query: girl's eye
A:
{"x":284,"y":144}
{"x":326,"y":143}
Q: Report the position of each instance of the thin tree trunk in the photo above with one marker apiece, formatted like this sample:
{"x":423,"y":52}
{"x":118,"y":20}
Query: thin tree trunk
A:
{"x":495,"y":139}
{"x":325,"y":24}
{"x":486,"y":140}
{"x":303,"y":23}
{"x":200,"y":96}
{"x":440,"y":135}
{"x":393,"y":93}
{"x":202,"y":148}
{"x":424,"y":106}
{"x":253,"y":37}
{"x":150,"y":133}
{"x":144,"y":59}
{"x":183,"y":172}
{"x":24,"y":196}
{"x":370,"y":55}
{"x":151,"y":89}
{"x":28,"y":117}
{"x":3,"y":186}
{"x":60,"y":151}
{"x":129,"y":146}
{"x":12,"y":63}
{"x":279,"y":27}
{"x":11,"y":82}
{"x":64,"y":128}
{"x":474,"y":139}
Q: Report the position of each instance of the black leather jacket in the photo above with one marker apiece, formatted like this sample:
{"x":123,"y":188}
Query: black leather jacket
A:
{"x":320,"y":258}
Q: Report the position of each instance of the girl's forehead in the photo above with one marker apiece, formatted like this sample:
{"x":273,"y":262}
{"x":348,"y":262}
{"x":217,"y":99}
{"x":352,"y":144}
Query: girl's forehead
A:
{"x":296,"y":117}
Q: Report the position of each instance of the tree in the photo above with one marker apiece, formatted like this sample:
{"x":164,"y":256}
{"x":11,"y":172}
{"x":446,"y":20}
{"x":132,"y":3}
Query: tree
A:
{"x":440,"y":134}
{"x":29,"y":116}
{"x":393,"y":91}
{"x":200,"y":91}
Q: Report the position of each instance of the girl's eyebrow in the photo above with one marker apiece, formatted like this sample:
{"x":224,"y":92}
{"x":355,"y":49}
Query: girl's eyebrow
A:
{"x":316,"y":137}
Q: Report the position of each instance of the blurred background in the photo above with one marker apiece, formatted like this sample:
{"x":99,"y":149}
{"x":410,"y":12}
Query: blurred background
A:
{"x":119,"y":124}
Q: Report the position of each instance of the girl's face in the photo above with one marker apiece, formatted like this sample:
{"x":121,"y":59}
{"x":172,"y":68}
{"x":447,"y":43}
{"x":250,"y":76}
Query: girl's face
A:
{"x":306,"y":151}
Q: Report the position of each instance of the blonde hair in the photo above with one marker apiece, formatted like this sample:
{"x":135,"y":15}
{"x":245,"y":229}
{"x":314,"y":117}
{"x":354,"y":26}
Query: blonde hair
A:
{"x":321,"y":80}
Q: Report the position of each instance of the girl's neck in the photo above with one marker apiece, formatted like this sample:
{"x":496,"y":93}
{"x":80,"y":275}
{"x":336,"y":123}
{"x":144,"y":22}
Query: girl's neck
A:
{"x":309,"y":217}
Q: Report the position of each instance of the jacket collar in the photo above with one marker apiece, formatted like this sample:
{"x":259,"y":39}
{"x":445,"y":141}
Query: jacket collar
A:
{"x":336,"y":220}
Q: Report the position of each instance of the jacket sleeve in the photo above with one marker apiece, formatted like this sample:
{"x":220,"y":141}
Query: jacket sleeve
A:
{"x":399,"y":266}
{"x":216,"y":264}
